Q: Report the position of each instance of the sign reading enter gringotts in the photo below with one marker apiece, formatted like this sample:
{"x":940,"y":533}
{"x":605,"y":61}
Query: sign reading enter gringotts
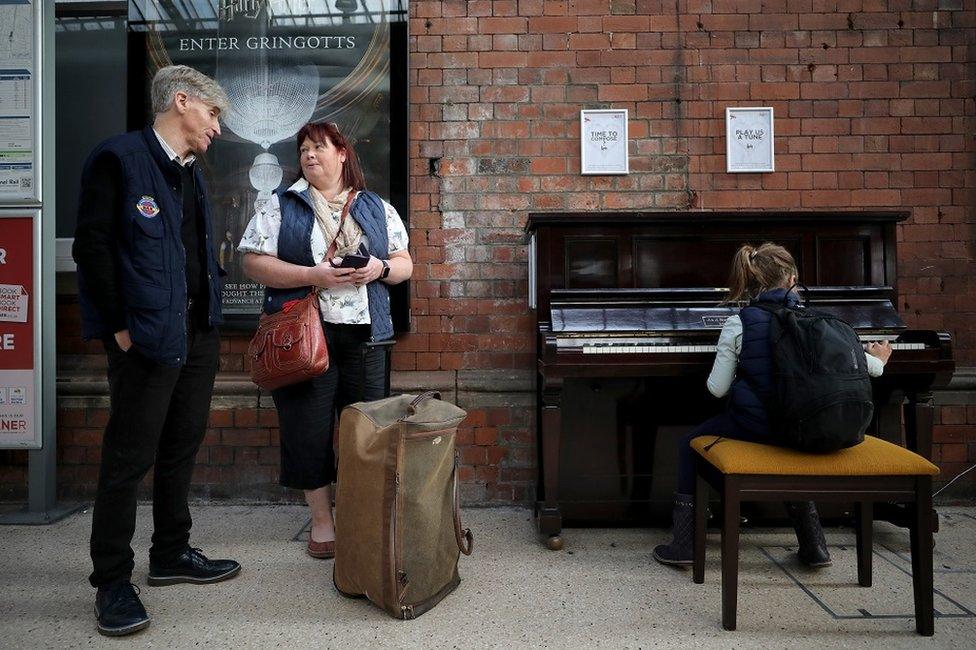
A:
{"x":282,"y":63}
{"x":267,"y":43}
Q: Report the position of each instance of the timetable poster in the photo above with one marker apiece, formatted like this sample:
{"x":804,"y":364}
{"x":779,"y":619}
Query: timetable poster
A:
{"x":18,"y":71}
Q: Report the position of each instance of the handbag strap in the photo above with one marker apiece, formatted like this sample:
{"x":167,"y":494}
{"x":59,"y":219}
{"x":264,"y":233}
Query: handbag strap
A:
{"x":330,"y":253}
{"x":463,"y":537}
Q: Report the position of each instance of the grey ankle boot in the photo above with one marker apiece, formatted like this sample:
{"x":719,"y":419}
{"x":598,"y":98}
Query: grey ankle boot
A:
{"x":812,"y":549}
{"x":680,"y":552}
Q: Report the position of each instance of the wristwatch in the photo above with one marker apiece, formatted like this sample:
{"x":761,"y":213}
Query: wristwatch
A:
{"x":386,"y":270}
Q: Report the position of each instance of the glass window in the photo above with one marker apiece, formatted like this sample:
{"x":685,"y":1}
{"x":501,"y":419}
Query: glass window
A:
{"x":90,"y":52}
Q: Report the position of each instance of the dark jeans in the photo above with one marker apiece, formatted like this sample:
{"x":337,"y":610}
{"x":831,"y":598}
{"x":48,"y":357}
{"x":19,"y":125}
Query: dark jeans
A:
{"x":720,"y":425}
{"x":158,"y":418}
{"x":307,"y":411}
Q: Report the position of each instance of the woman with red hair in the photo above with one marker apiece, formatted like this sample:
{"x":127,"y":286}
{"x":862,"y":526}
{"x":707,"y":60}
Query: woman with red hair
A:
{"x":297,"y":243}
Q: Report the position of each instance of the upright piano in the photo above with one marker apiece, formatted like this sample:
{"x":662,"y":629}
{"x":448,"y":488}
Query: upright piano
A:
{"x":628,"y":311}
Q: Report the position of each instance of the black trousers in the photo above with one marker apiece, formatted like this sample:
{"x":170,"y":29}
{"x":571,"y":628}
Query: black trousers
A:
{"x":307,"y":411}
{"x":157,"y":420}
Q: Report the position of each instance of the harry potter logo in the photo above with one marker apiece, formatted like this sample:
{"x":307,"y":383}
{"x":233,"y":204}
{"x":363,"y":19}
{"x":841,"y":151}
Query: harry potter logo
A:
{"x":230,"y":9}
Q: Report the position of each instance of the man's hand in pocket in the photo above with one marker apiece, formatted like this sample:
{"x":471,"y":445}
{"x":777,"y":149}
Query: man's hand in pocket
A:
{"x":123,"y":340}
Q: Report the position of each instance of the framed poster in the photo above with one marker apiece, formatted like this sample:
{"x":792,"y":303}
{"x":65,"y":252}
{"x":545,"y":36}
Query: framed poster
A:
{"x":603,"y":142}
{"x":20,"y":102}
{"x":282,"y":64}
{"x":749,"y":140}
{"x":20,"y":327}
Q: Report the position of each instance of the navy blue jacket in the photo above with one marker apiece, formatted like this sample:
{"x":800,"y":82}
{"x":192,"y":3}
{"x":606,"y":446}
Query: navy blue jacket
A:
{"x":151,"y":262}
{"x":754,"y":382}
{"x":295,"y":247}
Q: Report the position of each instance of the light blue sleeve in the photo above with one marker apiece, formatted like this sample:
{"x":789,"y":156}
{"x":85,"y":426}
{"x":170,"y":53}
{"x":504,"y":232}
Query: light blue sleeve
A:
{"x":726,"y":357}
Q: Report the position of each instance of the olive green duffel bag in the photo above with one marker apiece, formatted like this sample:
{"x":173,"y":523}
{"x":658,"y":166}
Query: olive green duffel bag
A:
{"x":398,"y":521}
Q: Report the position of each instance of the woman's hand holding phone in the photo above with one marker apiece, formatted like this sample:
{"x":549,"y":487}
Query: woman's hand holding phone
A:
{"x":327,"y":276}
{"x":351,"y":261}
{"x":356,"y":260}
{"x":371,"y":271}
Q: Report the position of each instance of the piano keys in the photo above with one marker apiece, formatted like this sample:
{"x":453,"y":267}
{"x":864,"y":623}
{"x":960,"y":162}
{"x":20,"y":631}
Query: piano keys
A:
{"x":628,"y":310}
{"x":671,"y":346}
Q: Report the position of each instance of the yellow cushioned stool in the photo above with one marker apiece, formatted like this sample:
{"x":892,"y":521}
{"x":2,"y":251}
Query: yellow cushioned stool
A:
{"x":873,"y":471}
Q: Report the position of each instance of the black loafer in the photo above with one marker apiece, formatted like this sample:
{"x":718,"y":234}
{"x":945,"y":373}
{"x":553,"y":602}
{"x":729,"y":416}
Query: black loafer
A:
{"x":194,"y":567}
{"x":119,"y":611}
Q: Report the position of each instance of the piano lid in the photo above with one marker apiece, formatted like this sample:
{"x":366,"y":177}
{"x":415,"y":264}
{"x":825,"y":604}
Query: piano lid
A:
{"x":877,"y":315}
{"x":633,"y":318}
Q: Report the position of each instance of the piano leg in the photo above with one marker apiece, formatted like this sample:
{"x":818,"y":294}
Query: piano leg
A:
{"x":548,"y":516}
{"x":888,"y":408}
{"x":919,"y":416}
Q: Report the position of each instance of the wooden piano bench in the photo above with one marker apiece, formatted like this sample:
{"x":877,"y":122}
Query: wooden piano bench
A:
{"x":873,"y":471}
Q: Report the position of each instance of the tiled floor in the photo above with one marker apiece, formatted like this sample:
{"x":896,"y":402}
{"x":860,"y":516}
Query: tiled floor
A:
{"x":602,"y":590}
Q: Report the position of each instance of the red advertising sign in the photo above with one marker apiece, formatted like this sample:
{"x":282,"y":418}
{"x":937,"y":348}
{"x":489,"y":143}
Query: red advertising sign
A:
{"x":17,"y":344}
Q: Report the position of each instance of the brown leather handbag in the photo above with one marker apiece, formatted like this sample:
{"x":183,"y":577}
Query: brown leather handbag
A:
{"x":289,"y":346}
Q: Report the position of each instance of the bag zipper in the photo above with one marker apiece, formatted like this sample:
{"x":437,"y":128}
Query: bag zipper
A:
{"x":419,"y":435}
{"x":393,"y":532}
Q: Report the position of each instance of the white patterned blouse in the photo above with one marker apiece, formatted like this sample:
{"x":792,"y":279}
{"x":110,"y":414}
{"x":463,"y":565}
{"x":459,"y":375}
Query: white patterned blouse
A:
{"x":346,"y":304}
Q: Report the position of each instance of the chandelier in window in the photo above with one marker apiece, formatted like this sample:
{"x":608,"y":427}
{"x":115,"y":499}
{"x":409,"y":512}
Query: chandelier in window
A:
{"x":269,"y":100}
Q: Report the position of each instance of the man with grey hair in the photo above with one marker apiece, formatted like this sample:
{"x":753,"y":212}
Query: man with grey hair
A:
{"x":149,"y":287}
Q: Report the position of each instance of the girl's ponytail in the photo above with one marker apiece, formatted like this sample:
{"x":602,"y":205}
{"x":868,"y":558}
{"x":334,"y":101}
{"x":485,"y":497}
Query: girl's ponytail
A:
{"x":742,"y":273}
{"x":759,"y":269}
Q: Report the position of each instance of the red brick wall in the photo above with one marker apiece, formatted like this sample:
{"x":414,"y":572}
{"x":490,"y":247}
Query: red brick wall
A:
{"x":874,"y":109}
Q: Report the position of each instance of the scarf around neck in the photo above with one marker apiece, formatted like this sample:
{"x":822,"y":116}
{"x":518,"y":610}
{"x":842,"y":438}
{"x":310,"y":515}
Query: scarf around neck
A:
{"x":327,"y":215}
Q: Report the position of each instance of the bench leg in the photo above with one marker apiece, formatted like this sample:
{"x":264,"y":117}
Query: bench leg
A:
{"x":730,"y":552}
{"x":921,"y":535}
{"x":701,"y":507}
{"x":864,"y":530}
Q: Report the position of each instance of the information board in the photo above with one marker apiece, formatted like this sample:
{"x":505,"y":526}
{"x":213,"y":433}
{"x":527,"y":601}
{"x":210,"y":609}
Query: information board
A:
{"x":19,"y":341}
{"x":19,"y":132}
{"x":603,"y":142}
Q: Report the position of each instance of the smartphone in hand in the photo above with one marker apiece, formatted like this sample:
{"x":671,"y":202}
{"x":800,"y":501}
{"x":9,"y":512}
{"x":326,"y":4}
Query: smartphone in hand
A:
{"x":356,"y":260}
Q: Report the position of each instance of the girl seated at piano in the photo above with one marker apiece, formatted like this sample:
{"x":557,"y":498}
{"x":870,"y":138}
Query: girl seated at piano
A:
{"x":759,"y":274}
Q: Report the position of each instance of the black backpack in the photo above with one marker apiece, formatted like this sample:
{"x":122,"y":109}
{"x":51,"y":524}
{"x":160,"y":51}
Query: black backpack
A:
{"x":821,"y":398}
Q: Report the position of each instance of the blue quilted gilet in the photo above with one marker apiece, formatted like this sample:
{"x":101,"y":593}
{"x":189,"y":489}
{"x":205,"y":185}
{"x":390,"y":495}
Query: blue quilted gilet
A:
{"x":295,"y":246}
{"x":754,"y":377}
{"x":151,"y":260}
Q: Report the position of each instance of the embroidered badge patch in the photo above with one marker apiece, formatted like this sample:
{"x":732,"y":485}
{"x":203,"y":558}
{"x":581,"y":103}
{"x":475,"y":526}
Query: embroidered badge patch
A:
{"x":147,"y":207}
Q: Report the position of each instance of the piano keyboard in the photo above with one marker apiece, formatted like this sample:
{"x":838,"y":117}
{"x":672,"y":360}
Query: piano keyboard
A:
{"x":618,"y":348}
{"x":664,"y":346}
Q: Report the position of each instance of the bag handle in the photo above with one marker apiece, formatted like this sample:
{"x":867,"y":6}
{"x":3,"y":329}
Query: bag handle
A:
{"x":423,"y":397}
{"x":460,"y":535}
{"x":330,"y":253}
